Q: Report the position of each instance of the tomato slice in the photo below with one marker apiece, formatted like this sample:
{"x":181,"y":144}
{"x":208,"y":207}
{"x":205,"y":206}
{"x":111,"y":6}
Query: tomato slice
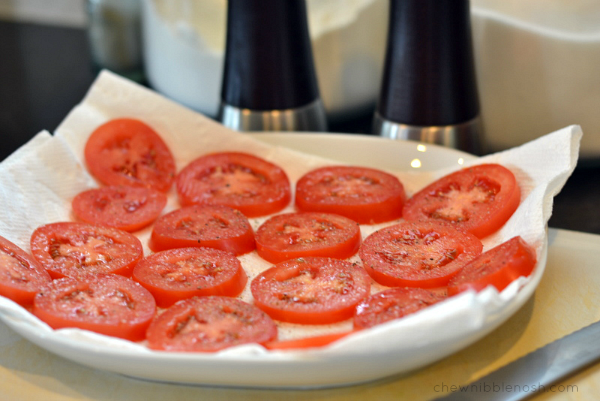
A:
{"x":311,"y":290}
{"x":78,"y":249}
{"x":499,"y":267}
{"x":294,"y":235}
{"x":125,"y":151}
{"x":478,"y":199}
{"x":219,"y":227}
{"x":183,"y":273}
{"x":209,"y":324}
{"x":423,"y":255}
{"x":365,"y":195}
{"x":106,"y":303}
{"x":393,"y":304}
{"x":242,"y":181}
{"x":21,"y":277}
{"x":126,"y":208}
{"x":307,"y":342}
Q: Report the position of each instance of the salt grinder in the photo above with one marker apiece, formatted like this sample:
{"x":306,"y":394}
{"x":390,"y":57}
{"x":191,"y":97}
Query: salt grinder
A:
{"x":269,"y":79}
{"x":429,"y":90}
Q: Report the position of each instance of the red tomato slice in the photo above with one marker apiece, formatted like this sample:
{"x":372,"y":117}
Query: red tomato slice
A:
{"x":365,"y":195}
{"x":79,"y":249}
{"x":423,"y":255}
{"x":307,"y":342}
{"x":499,"y":267}
{"x":393,"y":304}
{"x":295,"y":235}
{"x":128,"y":152}
{"x":21,"y":277}
{"x":183,"y":273}
{"x":106,"y":303}
{"x":311,"y":290}
{"x":219,"y":227}
{"x":125,"y":208}
{"x":210,"y":324}
{"x":477,"y":199}
{"x":248,"y":183}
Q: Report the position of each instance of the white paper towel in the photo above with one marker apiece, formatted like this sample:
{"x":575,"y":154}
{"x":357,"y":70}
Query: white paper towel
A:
{"x":38,"y":182}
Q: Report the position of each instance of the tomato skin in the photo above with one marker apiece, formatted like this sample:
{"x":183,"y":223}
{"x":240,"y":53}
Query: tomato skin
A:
{"x":425,"y":255}
{"x":365,"y":195}
{"x":126,"y":151}
{"x":106,"y":303}
{"x":392,"y":304}
{"x":295,"y":235}
{"x":126,"y":208}
{"x":307,"y":342}
{"x":219,"y":227}
{"x":239,"y":180}
{"x":21,"y":277}
{"x":209,"y":324}
{"x":78,"y":249}
{"x":499,"y":267}
{"x":182,"y":273}
{"x":494,"y":196}
{"x":311,"y":290}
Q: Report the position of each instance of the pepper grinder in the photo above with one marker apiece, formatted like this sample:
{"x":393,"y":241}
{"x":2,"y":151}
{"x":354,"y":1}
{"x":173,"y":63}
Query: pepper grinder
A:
{"x":429,"y":90}
{"x":269,"y":79}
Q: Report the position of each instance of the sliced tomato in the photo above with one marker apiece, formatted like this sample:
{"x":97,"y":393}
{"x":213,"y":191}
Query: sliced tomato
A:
{"x":478,"y":199}
{"x":126,"y":151}
{"x":295,"y":235}
{"x":125,"y":208}
{"x":499,"y":267}
{"x":423,"y":255}
{"x":393,"y":304}
{"x":183,"y":273}
{"x":219,"y":227}
{"x":365,"y":195}
{"x":210,"y":324}
{"x":78,"y":249}
{"x":311,"y":290}
{"x":21,"y":277}
{"x":242,"y":181}
{"x":307,"y":342}
{"x":106,"y":303}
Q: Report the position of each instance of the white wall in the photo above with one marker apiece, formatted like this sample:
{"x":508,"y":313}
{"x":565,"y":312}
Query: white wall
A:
{"x":51,"y":12}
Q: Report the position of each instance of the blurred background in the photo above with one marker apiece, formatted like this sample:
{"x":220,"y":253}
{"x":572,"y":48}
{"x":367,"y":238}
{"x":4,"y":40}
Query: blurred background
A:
{"x":536,"y":65}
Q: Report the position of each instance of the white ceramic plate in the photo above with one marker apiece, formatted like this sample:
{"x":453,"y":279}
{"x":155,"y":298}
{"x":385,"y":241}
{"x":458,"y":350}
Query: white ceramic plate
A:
{"x":340,"y":364}
{"x":371,"y":151}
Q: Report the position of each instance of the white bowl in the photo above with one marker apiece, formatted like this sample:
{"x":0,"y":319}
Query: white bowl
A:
{"x":537,"y":63}
{"x":184,"y":42}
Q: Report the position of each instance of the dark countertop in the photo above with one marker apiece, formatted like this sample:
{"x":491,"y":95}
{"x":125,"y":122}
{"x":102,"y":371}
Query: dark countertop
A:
{"x":46,"y":70}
